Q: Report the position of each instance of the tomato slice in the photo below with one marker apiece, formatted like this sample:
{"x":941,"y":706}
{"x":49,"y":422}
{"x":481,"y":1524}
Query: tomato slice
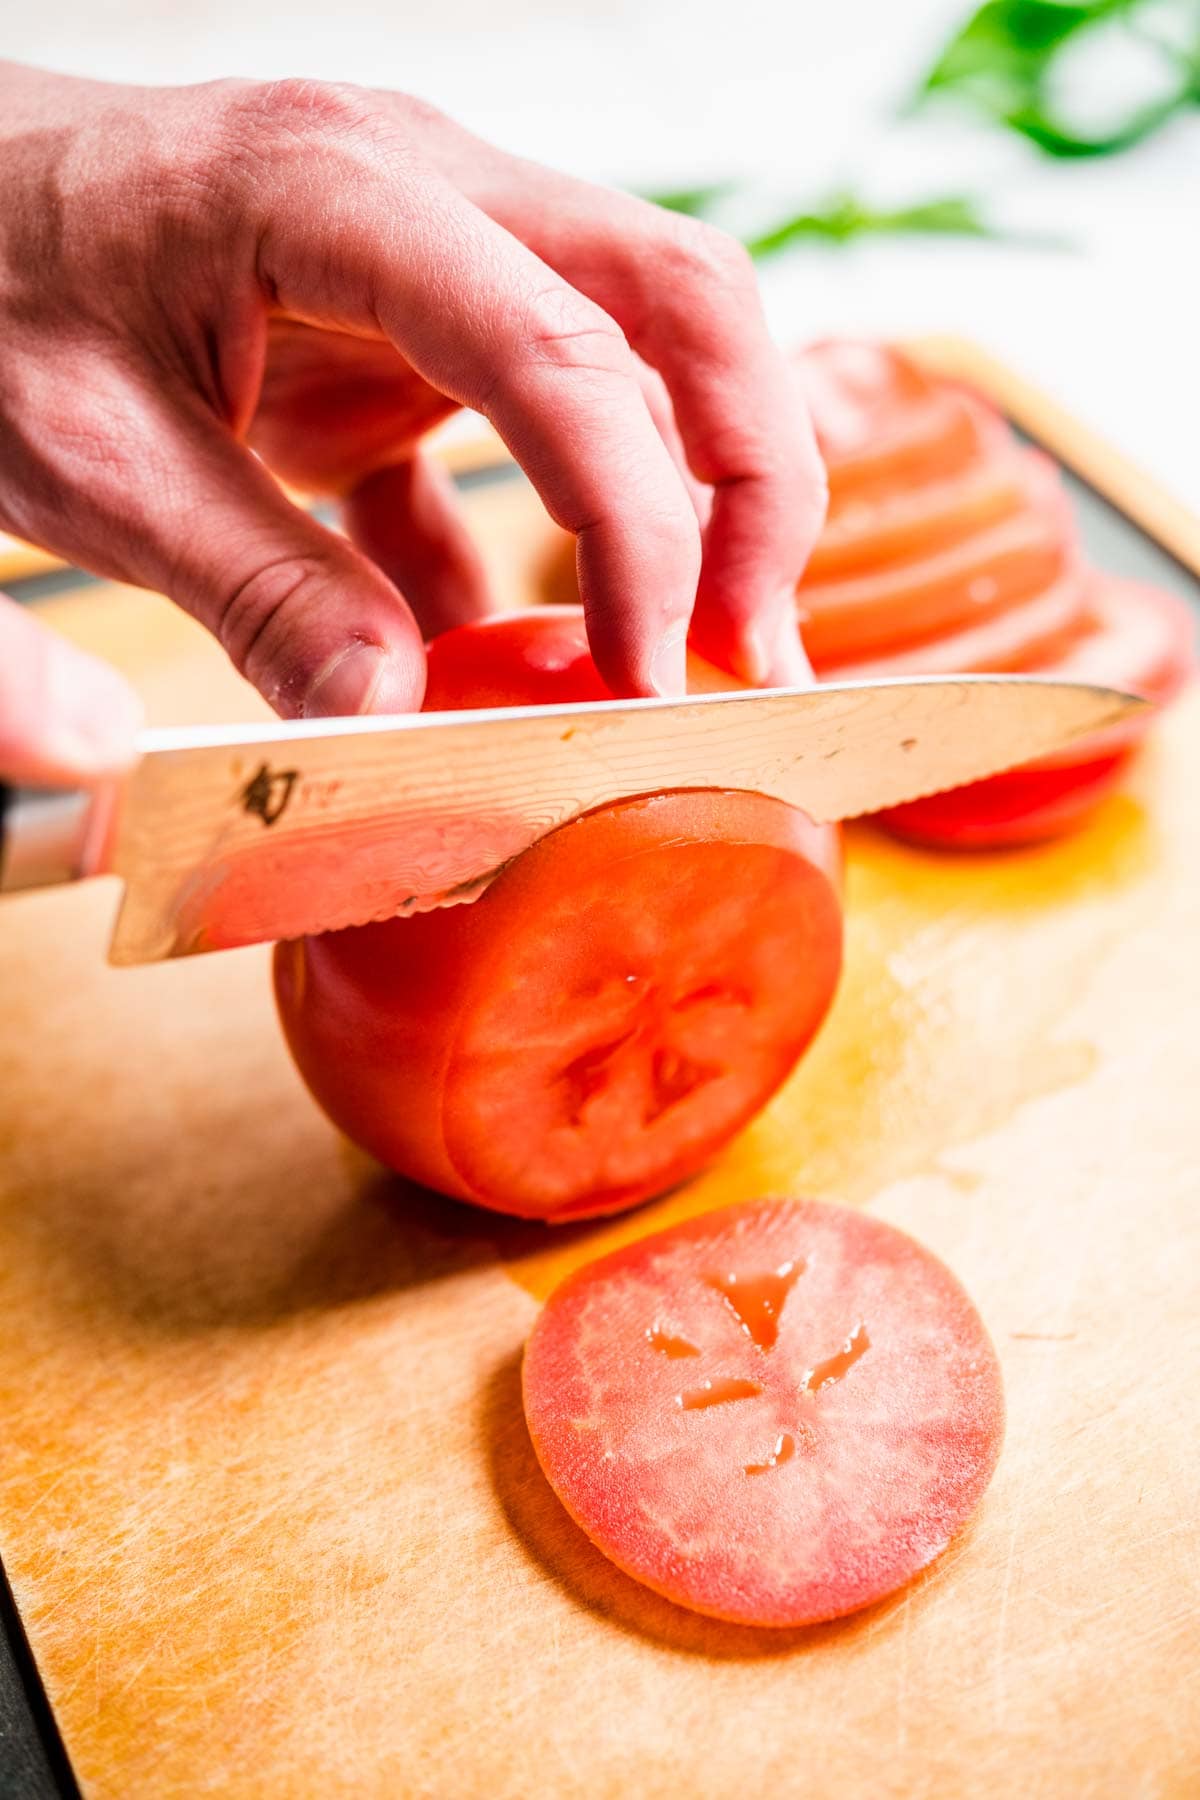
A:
{"x":1022,"y":806}
{"x":882,"y":422}
{"x":619,"y":1003}
{"x":1034,"y":632}
{"x":775,"y":1413}
{"x":858,"y":536}
{"x":1142,"y":640}
{"x":986,"y":573}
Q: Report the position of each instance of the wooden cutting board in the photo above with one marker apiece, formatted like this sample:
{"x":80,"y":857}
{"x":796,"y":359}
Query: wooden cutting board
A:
{"x":266,"y":1498}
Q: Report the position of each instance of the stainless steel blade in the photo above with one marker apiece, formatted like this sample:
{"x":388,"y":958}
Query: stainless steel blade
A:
{"x":241,"y":835}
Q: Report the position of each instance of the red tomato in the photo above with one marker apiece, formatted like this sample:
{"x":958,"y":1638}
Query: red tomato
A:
{"x":623,"y":998}
{"x":1141,"y":641}
{"x":775,"y":1413}
{"x":535,"y":658}
{"x":1022,"y":806}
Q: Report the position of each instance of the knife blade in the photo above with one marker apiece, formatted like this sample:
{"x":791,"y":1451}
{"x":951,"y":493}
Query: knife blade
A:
{"x":235,"y":835}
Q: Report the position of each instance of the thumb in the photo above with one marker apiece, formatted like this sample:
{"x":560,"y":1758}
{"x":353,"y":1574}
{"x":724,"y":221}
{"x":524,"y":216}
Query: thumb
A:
{"x":66,"y":718}
{"x":311,"y":621}
{"x":314,"y":624}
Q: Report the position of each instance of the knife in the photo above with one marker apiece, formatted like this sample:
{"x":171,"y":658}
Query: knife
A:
{"x":235,"y":835}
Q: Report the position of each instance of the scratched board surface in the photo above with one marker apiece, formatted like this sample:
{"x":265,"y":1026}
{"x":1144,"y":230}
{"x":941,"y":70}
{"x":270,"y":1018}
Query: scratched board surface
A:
{"x":267,"y":1503}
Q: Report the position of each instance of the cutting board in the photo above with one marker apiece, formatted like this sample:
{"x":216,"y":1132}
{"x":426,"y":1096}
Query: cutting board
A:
{"x":267,"y":1502}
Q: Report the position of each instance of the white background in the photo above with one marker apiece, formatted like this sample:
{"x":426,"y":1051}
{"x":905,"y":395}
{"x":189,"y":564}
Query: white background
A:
{"x":797,"y":95}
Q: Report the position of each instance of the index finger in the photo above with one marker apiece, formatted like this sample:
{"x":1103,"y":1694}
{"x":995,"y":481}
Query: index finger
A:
{"x":746,"y":430}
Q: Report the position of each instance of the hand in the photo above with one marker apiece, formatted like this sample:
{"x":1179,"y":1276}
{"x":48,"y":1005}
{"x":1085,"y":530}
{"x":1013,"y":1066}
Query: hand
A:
{"x":321,"y":274}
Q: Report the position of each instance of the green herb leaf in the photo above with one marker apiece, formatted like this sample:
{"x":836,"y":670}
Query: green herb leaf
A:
{"x":1002,"y":61}
{"x":1010,"y":42}
{"x":845,"y":218}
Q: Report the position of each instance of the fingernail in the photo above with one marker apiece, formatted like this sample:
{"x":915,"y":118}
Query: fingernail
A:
{"x":771,"y":654}
{"x":347,"y":684}
{"x":668,"y":665}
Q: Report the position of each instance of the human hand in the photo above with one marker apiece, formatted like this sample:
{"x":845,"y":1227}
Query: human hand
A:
{"x":323,"y":273}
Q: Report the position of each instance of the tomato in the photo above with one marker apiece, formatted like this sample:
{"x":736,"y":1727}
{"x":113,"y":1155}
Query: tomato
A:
{"x":776,"y":1413}
{"x":621,"y":1000}
{"x":1141,"y":641}
{"x":535,"y":658}
{"x":1021,"y":806}
{"x":619,"y":1003}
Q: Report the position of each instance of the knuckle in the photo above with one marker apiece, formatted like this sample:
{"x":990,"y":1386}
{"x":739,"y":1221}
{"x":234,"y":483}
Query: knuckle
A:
{"x":305,"y":108}
{"x":562,"y":329}
{"x":418,"y":114}
{"x":701,"y":256}
{"x":254,"y":617}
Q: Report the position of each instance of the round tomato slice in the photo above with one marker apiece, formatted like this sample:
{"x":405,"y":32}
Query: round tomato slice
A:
{"x":884,"y":424}
{"x":1142,"y":641}
{"x":776,"y":1413}
{"x":622,"y":1000}
{"x":913,"y":520}
{"x":1031,"y":633}
{"x":919,"y":597}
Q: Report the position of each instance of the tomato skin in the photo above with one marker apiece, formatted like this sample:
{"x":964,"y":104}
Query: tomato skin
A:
{"x":538,"y":657}
{"x":620,"y":1002}
{"x":891,"y":1449}
{"x":1021,"y":806}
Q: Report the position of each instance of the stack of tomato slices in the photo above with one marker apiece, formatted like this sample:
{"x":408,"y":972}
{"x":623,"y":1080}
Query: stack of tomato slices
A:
{"x":950,"y":549}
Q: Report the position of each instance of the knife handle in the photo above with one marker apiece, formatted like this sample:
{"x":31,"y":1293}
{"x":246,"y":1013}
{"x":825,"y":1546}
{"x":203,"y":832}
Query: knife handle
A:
{"x":43,"y":836}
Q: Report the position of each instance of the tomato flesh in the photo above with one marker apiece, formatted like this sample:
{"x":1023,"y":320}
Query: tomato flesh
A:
{"x":775,"y":1414}
{"x":911,"y":598}
{"x":1030,"y":634}
{"x":620,"y":1002}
